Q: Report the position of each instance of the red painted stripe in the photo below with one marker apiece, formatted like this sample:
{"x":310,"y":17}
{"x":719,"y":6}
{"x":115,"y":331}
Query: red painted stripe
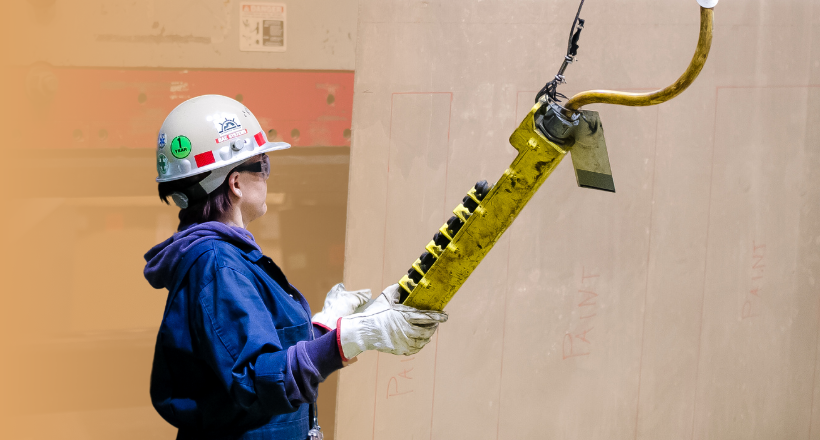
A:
{"x":77,"y":112}
{"x":260,"y":138}
{"x":205,"y":158}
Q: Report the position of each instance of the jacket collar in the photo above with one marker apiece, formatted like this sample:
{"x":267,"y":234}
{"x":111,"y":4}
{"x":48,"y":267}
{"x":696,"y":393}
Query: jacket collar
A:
{"x":252,"y":255}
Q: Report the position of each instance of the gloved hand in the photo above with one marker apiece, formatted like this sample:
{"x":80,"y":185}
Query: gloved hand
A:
{"x":338,"y":303}
{"x":388,"y":327}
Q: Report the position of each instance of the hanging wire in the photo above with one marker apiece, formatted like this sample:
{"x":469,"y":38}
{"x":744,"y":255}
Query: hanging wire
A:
{"x":551,"y":88}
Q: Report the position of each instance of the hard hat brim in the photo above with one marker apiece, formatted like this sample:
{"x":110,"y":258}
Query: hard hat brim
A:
{"x":267,"y":147}
{"x":272,"y":146}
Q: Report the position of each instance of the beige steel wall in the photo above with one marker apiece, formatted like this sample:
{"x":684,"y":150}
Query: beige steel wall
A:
{"x":684,"y":306}
{"x":78,"y":321}
{"x":321,"y":34}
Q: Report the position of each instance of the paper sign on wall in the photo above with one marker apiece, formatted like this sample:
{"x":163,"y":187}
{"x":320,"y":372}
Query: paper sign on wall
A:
{"x":262,"y":27}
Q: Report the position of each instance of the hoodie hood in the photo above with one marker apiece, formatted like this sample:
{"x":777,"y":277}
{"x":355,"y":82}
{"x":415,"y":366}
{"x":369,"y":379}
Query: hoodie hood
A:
{"x":163,"y":259}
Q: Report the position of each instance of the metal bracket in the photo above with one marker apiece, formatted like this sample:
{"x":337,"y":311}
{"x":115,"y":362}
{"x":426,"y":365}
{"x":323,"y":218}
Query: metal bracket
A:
{"x":589,"y":155}
{"x":582,"y":134}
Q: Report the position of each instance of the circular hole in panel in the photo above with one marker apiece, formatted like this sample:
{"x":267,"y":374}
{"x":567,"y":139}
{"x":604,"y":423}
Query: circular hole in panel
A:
{"x":142,"y":97}
{"x":239,"y":97}
{"x":330,"y":99}
{"x":103,"y":134}
{"x":346,"y":133}
{"x":295,"y":134}
{"x":272,"y":134}
{"x":78,"y":135}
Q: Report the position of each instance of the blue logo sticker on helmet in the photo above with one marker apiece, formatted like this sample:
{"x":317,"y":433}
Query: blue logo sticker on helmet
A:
{"x":228,"y":125}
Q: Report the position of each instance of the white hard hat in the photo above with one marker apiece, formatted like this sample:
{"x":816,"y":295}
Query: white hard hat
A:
{"x":208,"y":133}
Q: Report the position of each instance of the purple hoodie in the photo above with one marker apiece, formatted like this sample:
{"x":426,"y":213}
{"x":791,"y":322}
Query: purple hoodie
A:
{"x":162,"y":259}
{"x":309,"y":362}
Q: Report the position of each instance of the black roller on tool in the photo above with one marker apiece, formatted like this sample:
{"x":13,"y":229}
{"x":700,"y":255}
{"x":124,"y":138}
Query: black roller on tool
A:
{"x":440,"y":240}
{"x":427,"y":259}
{"x":454,"y":225}
{"x":469,"y":203}
{"x":482,"y":188}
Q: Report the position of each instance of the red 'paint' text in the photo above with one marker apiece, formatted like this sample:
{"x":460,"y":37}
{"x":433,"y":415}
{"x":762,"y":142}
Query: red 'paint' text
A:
{"x":577,"y":342}
{"x":401,"y":383}
{"x":751,"y":307}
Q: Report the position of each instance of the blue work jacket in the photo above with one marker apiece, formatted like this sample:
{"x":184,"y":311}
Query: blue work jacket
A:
{"x":220,"y":362}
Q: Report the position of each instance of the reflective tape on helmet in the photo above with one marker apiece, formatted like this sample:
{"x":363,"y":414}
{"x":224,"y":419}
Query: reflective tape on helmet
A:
{"x":205,"y":158}
{"x":260,"y":138}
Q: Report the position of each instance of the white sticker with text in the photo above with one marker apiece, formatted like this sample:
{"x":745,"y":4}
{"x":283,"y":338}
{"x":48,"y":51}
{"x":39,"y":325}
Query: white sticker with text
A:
{"x":262,"y":27}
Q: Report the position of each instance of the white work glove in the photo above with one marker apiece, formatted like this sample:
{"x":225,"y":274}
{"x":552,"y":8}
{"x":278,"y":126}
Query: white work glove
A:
{"x":338,"y":303}
{"x":388,"y":327}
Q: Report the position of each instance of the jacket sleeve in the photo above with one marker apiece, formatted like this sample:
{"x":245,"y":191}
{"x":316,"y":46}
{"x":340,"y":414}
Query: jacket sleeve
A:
{"x":309,"y":363}
{"x":239,"y":341}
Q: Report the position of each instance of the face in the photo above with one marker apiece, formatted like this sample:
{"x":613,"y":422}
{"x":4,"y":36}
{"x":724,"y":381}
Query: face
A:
{"x":252,"y":189}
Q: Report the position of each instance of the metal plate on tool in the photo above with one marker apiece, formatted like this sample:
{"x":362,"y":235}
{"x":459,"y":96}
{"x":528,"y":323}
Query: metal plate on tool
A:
{"x":589,"y":155}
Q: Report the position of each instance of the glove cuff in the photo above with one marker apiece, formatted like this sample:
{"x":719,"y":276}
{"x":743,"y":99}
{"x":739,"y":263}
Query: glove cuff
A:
{"x":325,"y":320}
{"x":350,"y":344}
{"x":339,"y":340}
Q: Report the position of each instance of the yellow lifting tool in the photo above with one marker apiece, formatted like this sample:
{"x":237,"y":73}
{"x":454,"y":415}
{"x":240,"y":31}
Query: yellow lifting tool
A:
{"x":544,"y":137}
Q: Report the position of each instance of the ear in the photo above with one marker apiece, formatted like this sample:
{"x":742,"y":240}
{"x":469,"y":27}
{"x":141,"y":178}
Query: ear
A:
{"x":234,"y":185}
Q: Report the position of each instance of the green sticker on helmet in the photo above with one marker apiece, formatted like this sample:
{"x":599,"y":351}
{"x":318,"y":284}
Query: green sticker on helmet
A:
{"x":180,"y":147}
{"x":162,"y":164}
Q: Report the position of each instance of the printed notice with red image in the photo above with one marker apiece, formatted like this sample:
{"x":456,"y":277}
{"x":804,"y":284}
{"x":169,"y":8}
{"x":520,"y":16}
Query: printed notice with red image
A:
{"x":262,"y":27}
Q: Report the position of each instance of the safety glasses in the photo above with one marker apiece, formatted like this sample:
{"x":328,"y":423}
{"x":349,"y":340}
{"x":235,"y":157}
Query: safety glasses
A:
{"x":263,"y":166}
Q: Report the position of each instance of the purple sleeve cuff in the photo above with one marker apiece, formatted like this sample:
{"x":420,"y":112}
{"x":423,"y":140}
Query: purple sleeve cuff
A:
{"x":325,"y":354}
{"x":321,"y":329}
{"x":309,"y":364}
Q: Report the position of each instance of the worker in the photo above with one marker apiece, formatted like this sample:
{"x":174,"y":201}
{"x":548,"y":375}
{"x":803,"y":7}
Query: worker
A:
{"x":238,"y":355}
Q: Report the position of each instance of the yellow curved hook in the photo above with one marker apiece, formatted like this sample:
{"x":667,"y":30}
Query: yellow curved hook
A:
{"x":658,"y":96}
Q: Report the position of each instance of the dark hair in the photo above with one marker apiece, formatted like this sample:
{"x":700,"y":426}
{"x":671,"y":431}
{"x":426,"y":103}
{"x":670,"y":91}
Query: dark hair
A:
{"x":207,"y":209}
